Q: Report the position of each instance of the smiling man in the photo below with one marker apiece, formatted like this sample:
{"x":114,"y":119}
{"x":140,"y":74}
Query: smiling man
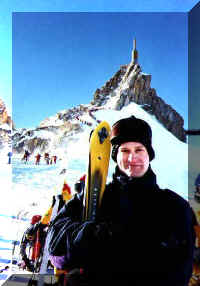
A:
{"x":133,"y":159}
{"x":143,"y":235}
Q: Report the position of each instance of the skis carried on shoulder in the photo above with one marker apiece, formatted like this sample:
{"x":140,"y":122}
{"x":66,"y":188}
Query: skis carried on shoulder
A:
{"x":99,"y":157}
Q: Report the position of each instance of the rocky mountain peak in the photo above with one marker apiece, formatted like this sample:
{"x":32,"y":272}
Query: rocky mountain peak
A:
{"x":130,"y":84}
{"x":5,"y":125}
{"x":4,"y":117}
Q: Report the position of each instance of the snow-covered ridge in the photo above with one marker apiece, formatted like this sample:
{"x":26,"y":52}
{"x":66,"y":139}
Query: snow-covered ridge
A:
{"x":171,"y":153}
{"x":130,"y":84}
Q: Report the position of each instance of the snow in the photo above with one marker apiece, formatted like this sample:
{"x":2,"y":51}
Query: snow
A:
{"x":52,"y":121}
{"x":28,"y":189}
{"x":5,"y":126}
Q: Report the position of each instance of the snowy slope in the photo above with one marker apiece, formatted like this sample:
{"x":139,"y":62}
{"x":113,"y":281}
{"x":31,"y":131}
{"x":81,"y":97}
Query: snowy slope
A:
{"x":171,"y":162}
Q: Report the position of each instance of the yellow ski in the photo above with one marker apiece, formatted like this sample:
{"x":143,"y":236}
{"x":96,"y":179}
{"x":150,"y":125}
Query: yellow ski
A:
{"x":99,"y":157}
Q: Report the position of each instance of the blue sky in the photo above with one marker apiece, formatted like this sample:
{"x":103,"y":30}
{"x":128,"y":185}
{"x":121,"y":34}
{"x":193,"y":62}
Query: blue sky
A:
{"x":59,"y":61}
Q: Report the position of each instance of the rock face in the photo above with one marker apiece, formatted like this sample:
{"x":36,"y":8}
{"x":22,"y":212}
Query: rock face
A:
{"x":24,"y":139}
{"x":51,"y":133}
{"x":130,"y":84}
{"x":5,"y":137}
{"x":4,"y":117}
{"x":5,"y":126}
{"x":101,"y":94}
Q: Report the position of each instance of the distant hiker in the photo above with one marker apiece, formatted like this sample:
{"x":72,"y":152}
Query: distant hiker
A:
{"x":47,"y":158}
{"x":54,"y":159}
{"x":9,"y":157}
{"x":26,"y":156}
{"x":143,"y":235}
{"x":28,"y":240}
{"x":27,"y":153}
{"x":38,"y":157}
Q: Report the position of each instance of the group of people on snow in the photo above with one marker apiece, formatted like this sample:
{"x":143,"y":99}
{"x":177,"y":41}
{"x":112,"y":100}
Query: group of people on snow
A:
{"x":48,"y":159}
{"x":143,"y":235}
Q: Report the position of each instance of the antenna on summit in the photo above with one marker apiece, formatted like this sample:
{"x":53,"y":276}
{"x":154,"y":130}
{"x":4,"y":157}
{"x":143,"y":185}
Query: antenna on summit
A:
{"x":134,"y":53}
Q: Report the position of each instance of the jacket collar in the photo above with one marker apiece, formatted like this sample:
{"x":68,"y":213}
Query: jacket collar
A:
{"x":146,"y":183}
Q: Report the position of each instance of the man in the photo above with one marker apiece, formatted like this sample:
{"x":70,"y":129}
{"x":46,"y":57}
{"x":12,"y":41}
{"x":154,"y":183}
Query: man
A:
{"x":143,"y":235}
{"x":9,"y":157}
{"x":37,"y":157}
{"x":28,"y":240}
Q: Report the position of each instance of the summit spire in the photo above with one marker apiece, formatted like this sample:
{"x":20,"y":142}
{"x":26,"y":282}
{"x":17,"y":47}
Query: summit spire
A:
{"x":134,"y":53}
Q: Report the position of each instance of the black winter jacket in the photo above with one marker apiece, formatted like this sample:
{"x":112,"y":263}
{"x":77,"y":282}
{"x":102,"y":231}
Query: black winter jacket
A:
{"x":143,"y":234}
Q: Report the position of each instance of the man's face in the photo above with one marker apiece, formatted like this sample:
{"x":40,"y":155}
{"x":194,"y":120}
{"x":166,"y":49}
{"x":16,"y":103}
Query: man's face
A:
{"x":133,"y":159}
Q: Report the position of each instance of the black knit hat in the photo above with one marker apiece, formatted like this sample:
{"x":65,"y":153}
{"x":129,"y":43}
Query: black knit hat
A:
{"x":131,"y":129}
